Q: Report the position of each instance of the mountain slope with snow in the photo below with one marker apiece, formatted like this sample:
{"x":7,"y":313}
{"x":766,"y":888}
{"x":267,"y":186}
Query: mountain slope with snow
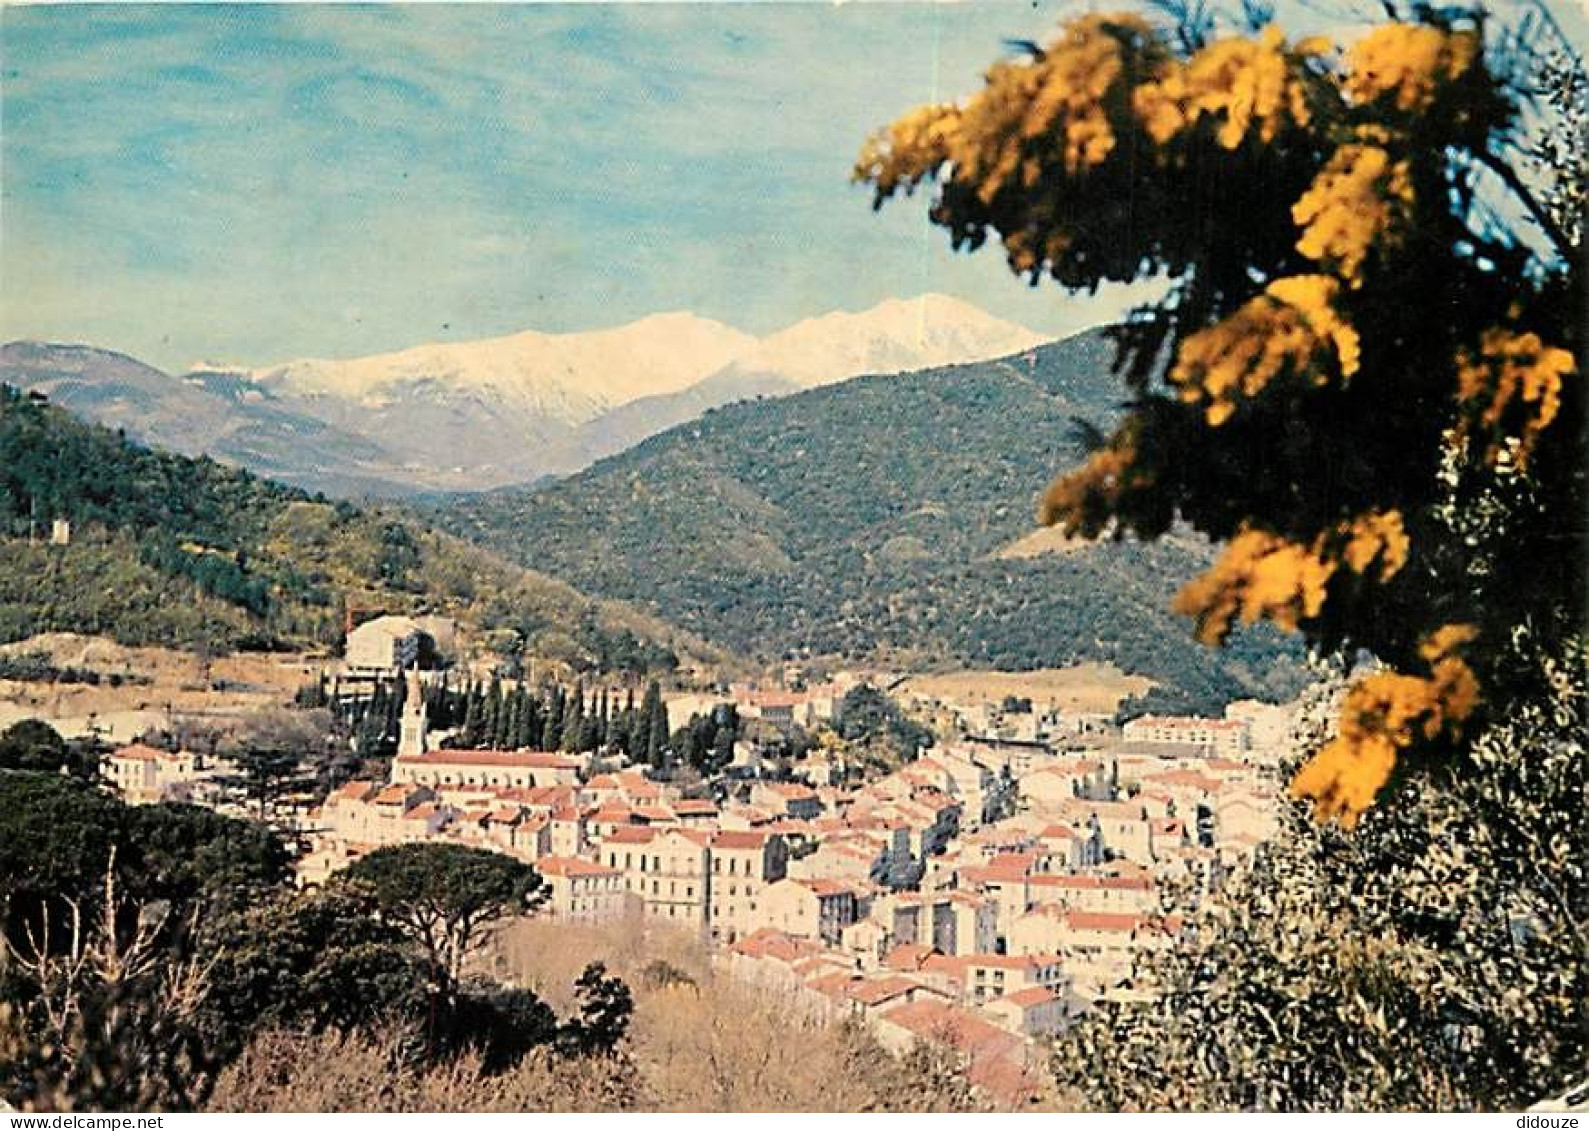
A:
{"x":897,"y":336}
{"x":569,"y":378}
{"x":473,"y":415}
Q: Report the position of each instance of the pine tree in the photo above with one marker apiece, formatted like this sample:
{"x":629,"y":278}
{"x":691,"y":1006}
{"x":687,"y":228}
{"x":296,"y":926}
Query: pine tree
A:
{"x":620,"y":733}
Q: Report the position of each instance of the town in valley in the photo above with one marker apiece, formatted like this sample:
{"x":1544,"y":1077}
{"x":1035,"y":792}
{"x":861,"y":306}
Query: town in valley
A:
{"x":1005,"y":873}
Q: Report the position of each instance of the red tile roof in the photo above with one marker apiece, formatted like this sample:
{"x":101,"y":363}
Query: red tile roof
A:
{"x":740,"y":841}
{"x":525,"y":759}
{"x":695,"y":808}
{"x":885,"y":989}
{"x":1031,"y":997}
{"x":1011,"y":961}
{"x":573,"y":866}
{"x":768,"y":943}
{"x":630,"y":834}
{"x":1103,"y":921}
{"x":1090,"y":883}
{"x":909,"y":956}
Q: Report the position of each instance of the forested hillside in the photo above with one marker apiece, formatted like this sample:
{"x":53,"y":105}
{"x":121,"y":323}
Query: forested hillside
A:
{"x":189,"y":553}
{"x":865,"y":520}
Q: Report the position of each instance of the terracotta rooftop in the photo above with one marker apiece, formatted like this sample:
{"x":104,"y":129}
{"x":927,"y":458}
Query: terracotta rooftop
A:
{"x":1031,"y":997}
{"x":513,"y":759}
{"x":908,"y":956}
{"x":740,"y":841}
{"x":1090,"y":883}
{"x":630,"y":834}
{"x":885,"y":989}
{"x":573,"y":866}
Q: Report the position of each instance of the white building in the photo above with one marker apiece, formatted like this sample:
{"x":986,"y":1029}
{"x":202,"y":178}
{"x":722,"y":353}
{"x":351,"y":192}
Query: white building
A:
{"x":582,"y":890}
{"x":505,"y":769}
{"x":143,"y":774}
{"x":1226,"y":737}
{"x":383,"y":645}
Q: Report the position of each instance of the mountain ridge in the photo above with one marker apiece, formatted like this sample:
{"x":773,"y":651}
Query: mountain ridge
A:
{"x":169,"y":550}
{"x":511,"y":409}
{"x":865,"y":521}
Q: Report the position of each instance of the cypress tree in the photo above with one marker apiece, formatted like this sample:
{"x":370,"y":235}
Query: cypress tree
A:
{"x":489,"y":715}
{"x":552,"y":738}
{"x":626,"y":726}
{"x":526,"y":734}
{"x":509,"y":728}
{"x":654,"y":718}
{"x":471,"y":716}
{"x":573,"y":719}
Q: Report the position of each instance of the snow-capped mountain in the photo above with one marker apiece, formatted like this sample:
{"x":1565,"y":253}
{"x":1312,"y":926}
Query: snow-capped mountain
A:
{"x":569,"y":378}
{"x":481,"y":414}
{"x":893,"y":337}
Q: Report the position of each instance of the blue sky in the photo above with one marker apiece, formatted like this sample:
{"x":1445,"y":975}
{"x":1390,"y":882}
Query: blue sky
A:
{"x":255,"y":183}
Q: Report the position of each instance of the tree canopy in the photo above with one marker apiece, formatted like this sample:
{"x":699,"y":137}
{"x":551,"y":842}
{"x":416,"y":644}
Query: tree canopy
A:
{"x":445,"y":895}
{"x":1362,"y":374}
{"x":33,"y":744}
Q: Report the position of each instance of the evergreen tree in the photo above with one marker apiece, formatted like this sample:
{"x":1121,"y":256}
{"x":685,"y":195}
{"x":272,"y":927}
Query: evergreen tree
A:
{"x":654,"y":718}
{"x":509,"y":729}
{"x":552,"y":737}
{"x":472,"y":720}
{"x":527,"y":733}
{"x":573,"y":718}
{"x":493,"y":709}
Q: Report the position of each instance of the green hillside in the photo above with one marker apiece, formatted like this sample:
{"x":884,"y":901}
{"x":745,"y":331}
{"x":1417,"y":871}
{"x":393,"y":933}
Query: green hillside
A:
{"x":862,"y":519}
{"x":189,"y":553}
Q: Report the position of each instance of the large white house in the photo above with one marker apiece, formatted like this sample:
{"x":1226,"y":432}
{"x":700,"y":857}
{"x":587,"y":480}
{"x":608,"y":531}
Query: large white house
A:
{"x":1221,"y":736}
{"x":143,"y":774}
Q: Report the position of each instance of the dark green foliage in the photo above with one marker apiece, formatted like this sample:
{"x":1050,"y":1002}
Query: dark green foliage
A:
{"x":869,"y":717}
{"x":605,"y":1007}
{"x":56,"y":835}
{"x":33,"y":744}
{"x":706,"y":742}
{"x":187,"y":852}
{"x":264,"y":774}
{"x":865,"y":520}
{"x":197,"y":944}
{"x":1434,"y":959}
{"x":187,"y":553}
{"x":443,"y":896}
{"x":36,"y":667}
{"x":319,"y":960}
{"x":500,"y":1023}
{"x":654,"y":720}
